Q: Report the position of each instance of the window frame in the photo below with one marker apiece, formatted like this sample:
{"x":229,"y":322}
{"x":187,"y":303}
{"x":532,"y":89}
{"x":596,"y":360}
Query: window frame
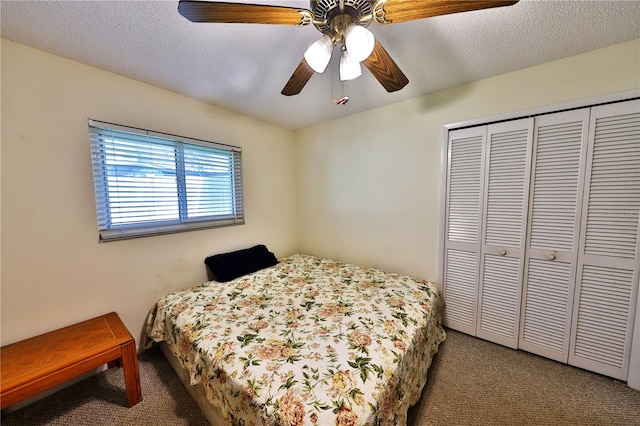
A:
{"x":103,"y":133}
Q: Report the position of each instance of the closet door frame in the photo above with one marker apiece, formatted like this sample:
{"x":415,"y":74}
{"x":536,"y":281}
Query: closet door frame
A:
{"x":634,"y":367}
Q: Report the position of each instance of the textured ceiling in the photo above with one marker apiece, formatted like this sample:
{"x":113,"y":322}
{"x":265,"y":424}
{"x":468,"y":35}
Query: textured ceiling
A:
{"x":243,"y":67}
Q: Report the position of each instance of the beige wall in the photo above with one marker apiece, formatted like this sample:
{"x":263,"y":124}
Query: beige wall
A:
{"x":364,"y":189}
{"x":369,"y":184}
{"x":54,"y":271}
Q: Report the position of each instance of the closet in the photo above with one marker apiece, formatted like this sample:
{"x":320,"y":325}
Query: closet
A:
{"x":541,"y":234}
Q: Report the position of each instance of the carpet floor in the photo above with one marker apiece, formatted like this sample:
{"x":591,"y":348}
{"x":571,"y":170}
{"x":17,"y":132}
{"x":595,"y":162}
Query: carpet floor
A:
{"x":471,"y":382}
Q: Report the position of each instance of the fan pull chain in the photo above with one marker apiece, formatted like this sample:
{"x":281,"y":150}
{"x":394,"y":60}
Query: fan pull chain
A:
{"x":343,"y":98}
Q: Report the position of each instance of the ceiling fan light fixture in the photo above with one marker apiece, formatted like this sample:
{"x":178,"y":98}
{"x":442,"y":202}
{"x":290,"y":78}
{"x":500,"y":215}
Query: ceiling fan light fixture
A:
{"x":342,"y":22}
{"x":318,"y":54}
{"x":359,"y":42}
{"x":349,"y":68}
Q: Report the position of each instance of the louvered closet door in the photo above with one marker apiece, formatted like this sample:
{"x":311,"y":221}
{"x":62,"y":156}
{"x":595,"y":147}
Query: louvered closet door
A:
{"x":608,"y":264}
{"x":506,"y":196}
{"x":552,"y":243}
{"x":463,"y":221}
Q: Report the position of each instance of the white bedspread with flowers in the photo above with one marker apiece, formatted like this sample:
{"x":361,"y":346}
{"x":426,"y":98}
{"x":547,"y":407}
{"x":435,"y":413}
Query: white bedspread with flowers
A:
{"x":309,"y":341}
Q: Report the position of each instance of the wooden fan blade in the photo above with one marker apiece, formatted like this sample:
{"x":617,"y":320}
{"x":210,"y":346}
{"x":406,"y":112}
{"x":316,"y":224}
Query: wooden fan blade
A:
{"x":393,"y":11}
{"x":385,"y":70}
{"x":242,"y":13}
{"x":298,"y":79}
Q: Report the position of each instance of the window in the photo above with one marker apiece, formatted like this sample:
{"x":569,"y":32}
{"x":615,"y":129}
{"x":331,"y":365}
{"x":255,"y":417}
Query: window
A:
{"x":149,"y":183}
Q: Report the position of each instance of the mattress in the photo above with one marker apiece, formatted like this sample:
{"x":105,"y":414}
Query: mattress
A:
{"x":309,"y":341}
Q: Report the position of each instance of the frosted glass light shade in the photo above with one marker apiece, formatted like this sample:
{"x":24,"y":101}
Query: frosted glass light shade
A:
{"x":359,"y":42}
{"x":349,"y":68}
{"x":318,"y":54}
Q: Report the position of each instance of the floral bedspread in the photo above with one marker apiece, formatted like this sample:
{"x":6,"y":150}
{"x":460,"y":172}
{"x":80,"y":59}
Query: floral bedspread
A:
{"x":309,"y":341}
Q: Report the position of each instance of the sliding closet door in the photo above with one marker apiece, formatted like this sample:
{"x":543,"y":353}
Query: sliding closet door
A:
{"x":609,"y":260}
{"x":506,"y":196}
{"x":463,"y":222}
{"x":553,"y":235}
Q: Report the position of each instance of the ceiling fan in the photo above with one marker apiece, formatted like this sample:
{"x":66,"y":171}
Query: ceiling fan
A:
{"x":343,"y":23}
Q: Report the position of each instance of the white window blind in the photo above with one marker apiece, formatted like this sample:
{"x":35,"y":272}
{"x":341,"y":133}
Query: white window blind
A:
{"x":149,"y":183}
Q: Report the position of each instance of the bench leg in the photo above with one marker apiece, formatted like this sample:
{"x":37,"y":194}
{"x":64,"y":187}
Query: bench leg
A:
{"x":129,"y":362}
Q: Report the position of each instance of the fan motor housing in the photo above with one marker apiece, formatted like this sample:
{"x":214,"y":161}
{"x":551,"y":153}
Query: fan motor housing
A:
{"x":324,"y":12}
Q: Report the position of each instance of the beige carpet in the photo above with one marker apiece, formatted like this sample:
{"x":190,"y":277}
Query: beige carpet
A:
{"x":471,"y":382}
{"x":474,"y":382}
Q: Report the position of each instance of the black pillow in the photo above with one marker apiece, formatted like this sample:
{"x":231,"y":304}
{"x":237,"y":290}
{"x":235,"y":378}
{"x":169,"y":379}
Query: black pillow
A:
{"x":228,"y":266}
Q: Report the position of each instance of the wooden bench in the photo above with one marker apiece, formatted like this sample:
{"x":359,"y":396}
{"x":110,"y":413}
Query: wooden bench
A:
{"x":36,"y":364}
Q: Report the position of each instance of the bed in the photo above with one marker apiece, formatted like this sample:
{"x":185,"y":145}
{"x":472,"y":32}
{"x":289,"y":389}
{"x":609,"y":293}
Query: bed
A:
{"x":308,"y":341}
